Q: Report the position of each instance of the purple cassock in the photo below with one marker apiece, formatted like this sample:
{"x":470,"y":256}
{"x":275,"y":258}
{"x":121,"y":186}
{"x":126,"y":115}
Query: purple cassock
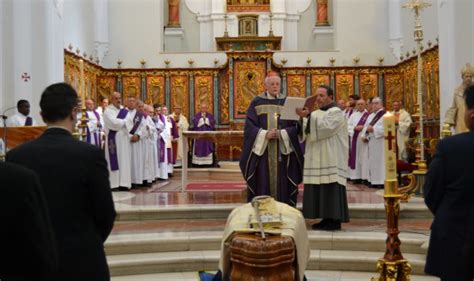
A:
{"x":272,"y":173}
{"x":203,"y":148}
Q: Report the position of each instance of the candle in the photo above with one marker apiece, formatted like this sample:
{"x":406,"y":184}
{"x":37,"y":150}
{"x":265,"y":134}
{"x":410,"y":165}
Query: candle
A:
{"x":82,"y":82}
{"x":390,"y":149}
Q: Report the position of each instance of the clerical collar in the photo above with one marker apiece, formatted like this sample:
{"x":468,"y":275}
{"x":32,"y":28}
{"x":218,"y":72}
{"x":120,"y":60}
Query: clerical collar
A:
{"x":328,"y":106}
{"x":268,"y":96}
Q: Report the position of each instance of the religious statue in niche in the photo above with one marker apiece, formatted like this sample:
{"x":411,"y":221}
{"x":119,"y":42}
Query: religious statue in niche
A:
{"x":248,"y":25}
{"x":322,"y":13}
{"x":173,"y":13}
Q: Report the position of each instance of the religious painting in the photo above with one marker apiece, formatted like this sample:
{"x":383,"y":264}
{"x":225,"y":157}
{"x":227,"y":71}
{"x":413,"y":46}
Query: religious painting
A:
{"x":344,"y":86}
{"x":105,"y":87}
{"x":224,"y":98}
{"x":131,"y":87}
{"x":318,"y":80}
{"x":248,"y":25}
{"x":180,"y":93}
{"x":249,"y":77}
{"x":240,"y":6}
{"x":368,"y":86}
{"x":203,"y":93}
{"x":155,"y":90}
{"x":296,"y":85}
{"x":393,"y":85}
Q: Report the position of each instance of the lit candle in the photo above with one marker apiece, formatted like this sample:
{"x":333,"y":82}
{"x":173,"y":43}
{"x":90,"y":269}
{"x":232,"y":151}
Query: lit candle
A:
{"x":390,"y":149}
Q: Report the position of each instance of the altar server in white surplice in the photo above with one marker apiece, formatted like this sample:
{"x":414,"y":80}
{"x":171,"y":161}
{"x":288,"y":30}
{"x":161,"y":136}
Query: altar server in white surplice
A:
{"x":94,"y":125}
{"x":150,"y":148}
{"x":182,"y":125}
{"x":164,"y":140}
{"x":374,"y":133}
{"x":173,"y":135}
{"x":355,"y":125}
{"x":364,"y":146}
{"x":118,"y":123}
{"x":403,"y":123}
{"x":22,"y":117}
{"x":137,"y":145}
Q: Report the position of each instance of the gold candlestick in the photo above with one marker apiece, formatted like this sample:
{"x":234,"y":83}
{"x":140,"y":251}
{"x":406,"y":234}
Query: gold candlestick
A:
{"x":82,"y":92}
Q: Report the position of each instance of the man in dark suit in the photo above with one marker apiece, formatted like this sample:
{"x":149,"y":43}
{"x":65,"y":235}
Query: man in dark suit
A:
{"x":27,"y":246}
{"x":449,"y":194}
{"x":75,"y":182}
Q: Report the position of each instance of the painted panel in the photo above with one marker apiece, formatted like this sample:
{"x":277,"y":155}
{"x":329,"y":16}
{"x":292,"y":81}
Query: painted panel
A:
{"x":249,"y":79}
{"x":296,"y":85}
{"x":203,"y":93}
{"x":179,"y":93}
{"x":155,"y":90}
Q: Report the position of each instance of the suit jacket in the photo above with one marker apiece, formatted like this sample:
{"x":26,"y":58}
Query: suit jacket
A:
{"x":27,"y":245}
{"x":449,"y":194}
{"x":76,"y":185}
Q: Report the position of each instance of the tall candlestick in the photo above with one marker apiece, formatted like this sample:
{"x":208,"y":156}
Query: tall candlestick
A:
{"x":82,"y":93}
{"x":390,"y":155}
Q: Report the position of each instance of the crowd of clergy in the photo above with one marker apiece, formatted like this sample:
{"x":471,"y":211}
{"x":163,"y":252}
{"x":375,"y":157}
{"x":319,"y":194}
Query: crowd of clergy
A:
{"x":366,"y":138}
{"x":143,"y":143}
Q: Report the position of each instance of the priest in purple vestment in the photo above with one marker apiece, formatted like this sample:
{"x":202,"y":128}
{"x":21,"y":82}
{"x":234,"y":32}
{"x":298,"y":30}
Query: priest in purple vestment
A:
{"x":203,"y":151}
{"x":271,"y":160}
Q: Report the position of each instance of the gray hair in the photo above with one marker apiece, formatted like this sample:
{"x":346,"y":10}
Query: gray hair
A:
{"x":270,"y":77}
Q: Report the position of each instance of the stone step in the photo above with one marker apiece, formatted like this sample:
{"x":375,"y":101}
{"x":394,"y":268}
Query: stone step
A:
{"x":311,"y":275}
{"x":165,"y":262}
{"x":221,"y":211}
{"x":211,"y":240}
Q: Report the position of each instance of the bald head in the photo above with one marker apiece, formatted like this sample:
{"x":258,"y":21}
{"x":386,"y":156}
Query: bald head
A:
{"x":117,"y":99}
{"x":89,"y":104}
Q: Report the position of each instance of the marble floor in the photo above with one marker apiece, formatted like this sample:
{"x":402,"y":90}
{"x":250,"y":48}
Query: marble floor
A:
{"x":164,"y":211}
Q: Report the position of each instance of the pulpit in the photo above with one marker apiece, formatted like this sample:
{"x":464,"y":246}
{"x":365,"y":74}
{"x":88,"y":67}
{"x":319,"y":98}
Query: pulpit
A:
{"x":18,"y":135}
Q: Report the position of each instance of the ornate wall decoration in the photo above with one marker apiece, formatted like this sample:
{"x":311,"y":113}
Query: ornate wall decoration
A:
{"x":248,"y":6}
{"x":296,"y":86}
{"x":105,"y":87}
{"x":155,"y":90}
{"x":368,"y":85}
{"x":203,"y":93}
{"x":131,"y":87}
{"x":224,"y":98}
{"x":318,"y":80}
{"x":249,"y":79}
{"x":344,"y":86}
{"x":393,"y":89}
{"x":180,"y":93}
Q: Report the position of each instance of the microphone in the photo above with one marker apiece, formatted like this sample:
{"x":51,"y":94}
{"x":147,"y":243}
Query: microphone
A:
{"x":5,"y":111}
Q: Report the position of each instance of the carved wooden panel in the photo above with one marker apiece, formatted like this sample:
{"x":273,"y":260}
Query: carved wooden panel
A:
{"x":155,"y":86}
{"x":179,"y":93}
{"x":296,"y":85}
{"x":105,"y":87}
{"x":224,"y":98}
{"x":204,"y":92}
{"x":318,"y":80}
{"x":368,"y":85}
{"x":249,"y":79}
{"x":131,"y":86}
{"x":393,"y":89}
{"x":344,"y":86}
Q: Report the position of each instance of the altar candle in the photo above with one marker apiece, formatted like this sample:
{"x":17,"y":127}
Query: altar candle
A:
{"x":390,"y":149}
{"x":82,"y":87}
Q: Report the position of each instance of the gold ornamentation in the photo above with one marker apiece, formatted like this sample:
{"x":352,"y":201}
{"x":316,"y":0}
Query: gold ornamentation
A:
{"x":156,"y":93}
{"x":393,"y":88}
{"x":179,"y":92}
{"x":332,"y":61}
{"x":119,"y":63}
{"x":296,"y":86}
{"x":203,"y":93}
{"x":224,"y":99}
{"x":131,"y":87}
{"x":308,"y":61}
{"x":167,"y":62}
{"x":283,"y":61}
{"x":368,"y":85}
{"x":356,"y":60}
{"x":190,"y":62}
{"x":380,"y":60}
{"x":344,"y":86}
{"x":70,"y":47}
{"x":143,"y":63}
{"x":216,"y":61}
{"x":249,"y":77}
{"x":318,"y":80}
{"x":78,"y":52}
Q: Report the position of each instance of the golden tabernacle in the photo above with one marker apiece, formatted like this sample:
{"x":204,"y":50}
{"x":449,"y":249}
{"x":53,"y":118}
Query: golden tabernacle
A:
{"x":273,"y":250}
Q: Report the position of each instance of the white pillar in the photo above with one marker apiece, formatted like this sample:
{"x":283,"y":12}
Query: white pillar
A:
{"x":455,"y":47}
{"x":2,"y":70}
{"x":101,"y":29}
{"x":395,"y":28}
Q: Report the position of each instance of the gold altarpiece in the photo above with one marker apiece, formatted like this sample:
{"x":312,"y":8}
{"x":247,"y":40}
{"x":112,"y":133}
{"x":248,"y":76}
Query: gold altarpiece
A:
{"x":229,"y":88}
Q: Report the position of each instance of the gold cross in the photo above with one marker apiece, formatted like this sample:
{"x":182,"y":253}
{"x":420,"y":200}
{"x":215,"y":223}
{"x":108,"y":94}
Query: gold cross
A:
{"x":416,"y":5}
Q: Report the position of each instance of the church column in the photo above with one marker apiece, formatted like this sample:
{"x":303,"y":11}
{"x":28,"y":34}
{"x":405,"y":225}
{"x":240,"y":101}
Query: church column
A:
{"x":231,"y":89}
{"x":395,"y":28}
{"x":322,"y":13}
{"x":101,"y":29}
{"x":216,"y":96}
{"x":191,"y":94}
{"x":173,"y":13}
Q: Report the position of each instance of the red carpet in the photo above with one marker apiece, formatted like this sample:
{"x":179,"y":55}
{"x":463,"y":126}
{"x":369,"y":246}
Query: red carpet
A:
{"x":224,"y":186}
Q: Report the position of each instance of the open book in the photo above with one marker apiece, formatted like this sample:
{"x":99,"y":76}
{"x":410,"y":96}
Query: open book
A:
{"x":288,"y":112}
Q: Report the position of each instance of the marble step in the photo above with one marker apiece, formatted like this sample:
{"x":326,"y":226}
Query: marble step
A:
{"x":165,"y":262}
{"x":126,"y":212}
{"x":311,"y":275}
{"x":211,"y":240}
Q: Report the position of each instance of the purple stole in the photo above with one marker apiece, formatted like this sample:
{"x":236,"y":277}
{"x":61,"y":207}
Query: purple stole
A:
{"x":350,"y":113}
{"x":96,"y":137}
{"x":28,"y":121}
{"x":376,"y":118}
{"x":353,"y":148}
{"x":136,"y":122}
{"x":113,"y":144}
{"x":162,"y":141}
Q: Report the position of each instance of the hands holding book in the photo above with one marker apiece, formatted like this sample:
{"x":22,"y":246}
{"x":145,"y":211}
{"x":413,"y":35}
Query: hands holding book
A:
{"x":302,"y":112}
